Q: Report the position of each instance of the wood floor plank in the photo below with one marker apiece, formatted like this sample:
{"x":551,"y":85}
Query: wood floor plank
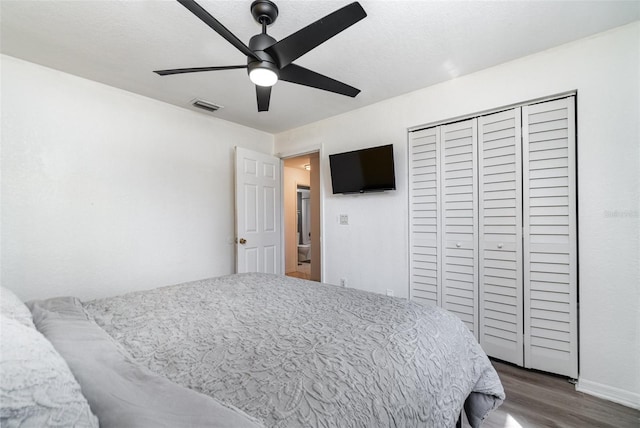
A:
{"x":539,"y":400}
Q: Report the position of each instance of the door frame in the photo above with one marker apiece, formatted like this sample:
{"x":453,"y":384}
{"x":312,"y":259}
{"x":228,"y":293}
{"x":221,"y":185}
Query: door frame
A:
{"x":314,"y":148}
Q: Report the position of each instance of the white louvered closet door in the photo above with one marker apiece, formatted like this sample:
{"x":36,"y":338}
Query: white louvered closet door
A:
{"x":424,"y":212}
{"x":500,"y":235}
{"x":550,"y":253}
{"x":459,"y":220}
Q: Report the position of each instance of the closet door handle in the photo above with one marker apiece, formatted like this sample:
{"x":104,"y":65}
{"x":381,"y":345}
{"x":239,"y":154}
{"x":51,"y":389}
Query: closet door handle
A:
{"x":458,"y":244}
{"x":500,"y":245}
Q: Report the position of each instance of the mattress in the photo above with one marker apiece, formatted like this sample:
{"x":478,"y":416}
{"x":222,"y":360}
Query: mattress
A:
{"x":287,"y":352}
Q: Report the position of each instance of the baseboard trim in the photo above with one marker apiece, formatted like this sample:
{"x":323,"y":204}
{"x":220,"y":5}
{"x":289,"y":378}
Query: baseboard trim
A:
{"x":617,"y":395}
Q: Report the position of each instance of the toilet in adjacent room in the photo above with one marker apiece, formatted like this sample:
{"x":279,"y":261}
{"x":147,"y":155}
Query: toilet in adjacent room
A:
{"x":304,"y":251}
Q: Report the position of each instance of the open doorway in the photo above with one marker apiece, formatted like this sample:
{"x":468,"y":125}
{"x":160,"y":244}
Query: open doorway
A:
{"x":301,"y":198}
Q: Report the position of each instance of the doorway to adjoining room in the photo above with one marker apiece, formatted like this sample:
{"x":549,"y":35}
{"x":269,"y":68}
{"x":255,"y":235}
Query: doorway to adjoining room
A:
{"x":302,"y":216}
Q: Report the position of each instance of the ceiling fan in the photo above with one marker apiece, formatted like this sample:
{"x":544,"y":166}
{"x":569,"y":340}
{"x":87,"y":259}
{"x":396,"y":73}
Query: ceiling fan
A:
{"x":269,"y":60}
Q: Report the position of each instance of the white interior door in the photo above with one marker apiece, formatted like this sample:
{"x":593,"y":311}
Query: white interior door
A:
{"x":258,"y":212}
{"x":459,"y":188}
{"x":500,"y":243}
{"x":424,"y":216}
{"x":550,"y":243}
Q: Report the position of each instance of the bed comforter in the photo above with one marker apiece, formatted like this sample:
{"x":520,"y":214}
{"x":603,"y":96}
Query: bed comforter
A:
{"x":296,"y":353}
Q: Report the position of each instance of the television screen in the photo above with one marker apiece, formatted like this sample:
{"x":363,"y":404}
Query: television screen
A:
{"x":366,"y":170}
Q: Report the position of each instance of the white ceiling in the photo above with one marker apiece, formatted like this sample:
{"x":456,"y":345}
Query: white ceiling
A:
{"x":401,"y":46}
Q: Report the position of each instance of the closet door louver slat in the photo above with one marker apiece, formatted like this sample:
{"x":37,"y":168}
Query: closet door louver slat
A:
{"x":500,"y":235}
{"x":550,"y":253}
{"x":424,"y":211}
{"x":458,"y":187}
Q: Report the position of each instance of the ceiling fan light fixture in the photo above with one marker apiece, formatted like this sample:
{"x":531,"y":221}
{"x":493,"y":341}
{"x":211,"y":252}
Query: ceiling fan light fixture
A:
{"x":263,"y":77}
{"x":263,"y":73}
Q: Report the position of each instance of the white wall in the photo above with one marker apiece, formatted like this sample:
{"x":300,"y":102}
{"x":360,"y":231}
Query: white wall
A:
{"x":371,"y":252}
{"x":105,"y":191}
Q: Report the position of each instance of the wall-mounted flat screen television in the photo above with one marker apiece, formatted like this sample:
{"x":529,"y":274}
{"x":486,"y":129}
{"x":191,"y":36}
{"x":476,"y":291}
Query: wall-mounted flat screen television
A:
{"x":366,"y":170}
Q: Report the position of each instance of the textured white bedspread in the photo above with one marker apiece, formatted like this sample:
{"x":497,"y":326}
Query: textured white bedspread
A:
{"x":296,"y":353}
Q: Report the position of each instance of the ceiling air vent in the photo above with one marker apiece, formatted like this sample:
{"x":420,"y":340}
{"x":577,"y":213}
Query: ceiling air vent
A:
{"x":205,"y":105}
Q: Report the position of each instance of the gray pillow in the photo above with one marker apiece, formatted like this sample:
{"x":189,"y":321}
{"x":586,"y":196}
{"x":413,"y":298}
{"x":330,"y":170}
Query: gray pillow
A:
{"x":37,"y":388}
{"x":12,"y":307}
{"x":121,"y":392}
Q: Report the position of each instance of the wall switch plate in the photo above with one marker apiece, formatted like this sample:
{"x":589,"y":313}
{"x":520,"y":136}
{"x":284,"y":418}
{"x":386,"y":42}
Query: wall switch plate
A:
{"x":343,"y":282}
{"x":344,"y":219}
{"x":389,"y":292}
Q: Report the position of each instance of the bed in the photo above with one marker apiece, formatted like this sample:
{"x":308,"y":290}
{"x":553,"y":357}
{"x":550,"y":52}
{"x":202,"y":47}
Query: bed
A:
{"x":266,"y":350}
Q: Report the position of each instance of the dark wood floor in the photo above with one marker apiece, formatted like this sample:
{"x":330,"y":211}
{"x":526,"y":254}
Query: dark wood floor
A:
{"x":539,"y":400}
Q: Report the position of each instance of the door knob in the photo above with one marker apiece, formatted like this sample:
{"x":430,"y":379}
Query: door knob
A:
{"x":500,"y":245}
{"x":458,"y":244}
{"x":243,"y":241}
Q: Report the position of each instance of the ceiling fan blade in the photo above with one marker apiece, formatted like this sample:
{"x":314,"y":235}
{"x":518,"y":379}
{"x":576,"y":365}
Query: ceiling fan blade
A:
{"x":196,"y":69}
{"x":206,"y":17}
{"x":302,"y":76}
{"x":263,"y":94}
{"x":299,"y":43}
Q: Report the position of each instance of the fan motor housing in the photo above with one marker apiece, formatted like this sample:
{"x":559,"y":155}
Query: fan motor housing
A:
{"x":258,"y":44}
